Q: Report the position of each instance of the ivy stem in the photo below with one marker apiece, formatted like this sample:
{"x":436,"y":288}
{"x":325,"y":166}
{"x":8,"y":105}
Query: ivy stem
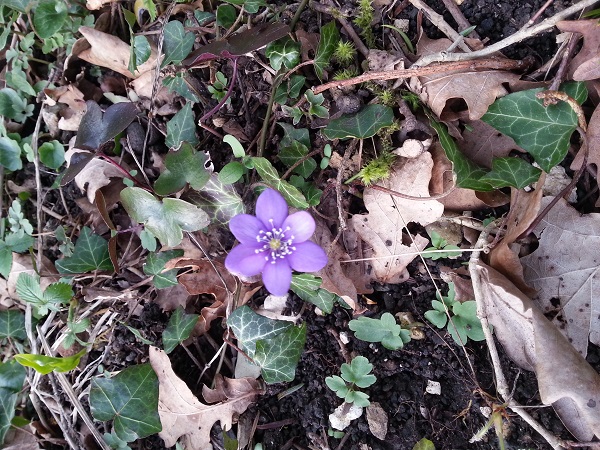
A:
{"x":227,"y":95}
{"x":124,"y":172}
{"x":263,"y":132}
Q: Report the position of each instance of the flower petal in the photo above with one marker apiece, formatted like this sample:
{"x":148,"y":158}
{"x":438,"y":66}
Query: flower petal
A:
{"x":308,"y":257}
{"x":277,"y":277}
{"x":271,"y":206}
{"x":243,"y":260}
{"x":245,"y":228}
{"x":302,"y":226}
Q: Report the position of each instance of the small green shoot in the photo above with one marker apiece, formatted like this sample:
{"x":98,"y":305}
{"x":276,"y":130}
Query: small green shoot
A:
{"x":385,"y":330}
{"x":74,"y":328}
{"x":218,"y":89}
{"x":438,"y":243}
{"x":355,"y":375}
{"x":344,"y":53}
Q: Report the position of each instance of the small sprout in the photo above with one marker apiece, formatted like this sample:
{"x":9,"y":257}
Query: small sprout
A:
{"x":463,"y":323}
{"x":385,"y":330}
{"x":355,"y":375}
{"x":438,"y":243}
{"x":344,"y":52}
{"x":219,"y":88}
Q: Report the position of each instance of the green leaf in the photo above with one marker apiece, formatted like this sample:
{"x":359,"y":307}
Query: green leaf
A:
{"x":177,"y":44}
{"x":155,"y":265}
{"x":12,"y":377}
{"x":236,"y":146}
{"x":5,"y":260}
{"x":278,"y":357}
{"x":18,"y":80}
{"x":178,"y":329}
{"x":12,"y":325}
{"x":90,"y":253}
{"x":249,"y":327}
{"x":251,"y":6}
{"x":424,"y":444}
{"x":511,"y":171}
{"x":182,"y":166}
{"x":13,"y":106}
{"x":283,"y":52}
{"x":305,"y":283}
{"x":140,"y":52}
{"x":49,"y":17}
{"x":18,"y":242}
{"x":138,"y":334}
{"x":177,"y":84}
{"x":220,"y":201}
{"x":46,"y":364}
{"x":544,"y":132}
{"x":182,"y":127}
{"x":226,"y":15}
{"x":330,"y":36}
{"x":468,"y":174}
{"x":270,"y":176}
{"x":358,"y":372}
{"x":295,"y":152}
{"x":358,"y":398}
{"x":385,"y":330}
{"x":306,"y":286}
{"x":438,"y":318}
{"x":52,"y":154}
{"x":231,"y":172}
{"x":289,"y":88}
{"x":362,"y":125}
{"x":148,"y":240}
{"x":167,"y":220}
{"x":10,"y":152}
{"x":130,"y":399}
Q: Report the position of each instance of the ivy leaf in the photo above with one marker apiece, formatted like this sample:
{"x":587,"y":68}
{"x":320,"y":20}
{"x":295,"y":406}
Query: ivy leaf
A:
{"x":12,"y":377}
{"x":279,"y":357}
{"x":284,"y":52}
{"x":10,"y":152}
{"x":226,"y":15}
{"x":511,"y":171}
{"x":182,"y":166}
{"x":330,"y":36}
{"x":182,"y":127}
{"x":544,"y":132}
{"x":155,"y":265}
{"x":167,"y":220}
{"x":220,"y":201}
{"x":90,"y":253}
{"x":306,"y":286}
{"x":140,"y":52}
{"x":130,"y":399}
{"x":468,"y":174}
{"x":49,"y":17}
{"x":385,"y":330}
{"x":12,"y":325}
{"x":249,"y":327}
{"x":295,"y":152}
{"x":177,"y":84}
{"x":177,"y":44}
{"x":178,"y":329}
{"x":46,"y":364}
{"x":270,"y":176}
{"x":362,"y":125}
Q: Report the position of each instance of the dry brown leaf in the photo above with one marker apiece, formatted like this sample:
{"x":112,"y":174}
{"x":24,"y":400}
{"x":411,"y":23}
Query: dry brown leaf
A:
{"x":479,"y":89}
{"x":95,"y":175}
{"x":565,"y":379}
{"x":187,"y":420}
{"x":593,"y":143}
{"x":564,"y":270}
{"x":481,"y":142}
{"x":381,"y":229}
{"x":586,"y":64}
{"x":377,"y":419}
{"x":70,"y":116}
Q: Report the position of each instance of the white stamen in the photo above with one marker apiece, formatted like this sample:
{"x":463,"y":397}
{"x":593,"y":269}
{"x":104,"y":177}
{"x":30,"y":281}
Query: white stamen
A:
{"x":275,"y":243}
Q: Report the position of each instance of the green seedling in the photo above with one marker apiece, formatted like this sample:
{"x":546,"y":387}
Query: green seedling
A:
{"x":385,"y":330}
{"x":74,"y":327}
{"x":439,"y":243}
{"x":495,"y":420}
{"x":355,"y":375}
{"x":219,"y":88}
{"x":461,"y":318}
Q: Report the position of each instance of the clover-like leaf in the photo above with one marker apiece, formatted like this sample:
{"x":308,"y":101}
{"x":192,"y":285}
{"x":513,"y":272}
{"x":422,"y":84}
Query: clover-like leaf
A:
{"x":178,"y":329}
{"x":337,"y":385}
{"x":466,"y":322}
{"x":468,"y":174}
{"x":358,"y":372}
{"x":12,"y":324}
{"x":177,"y":43}
{"x":511,"y":171}
{"x":270,"y":176}
{"x":155,"y":265}
{"x":10,"y":153}
{"x":358,"y":398}
{"x":52,"y":154}
{"x":279,"y":356}
{"x":182,"y":128}
{"x":49,"y":17}
{"x":90,"y":253}
{"x":182,"y":166}
{"x":12,"y":377}
{"x":167,"y":220}
{"x":385,"y":330}
{"x":544,"y":132}
{"x":361,"y":125}
{"x":130,"y":400}
{"x":284,"y":52}
{"x":14,"y":106}
{"x":330,"y":36}
{"x":46,"y":364}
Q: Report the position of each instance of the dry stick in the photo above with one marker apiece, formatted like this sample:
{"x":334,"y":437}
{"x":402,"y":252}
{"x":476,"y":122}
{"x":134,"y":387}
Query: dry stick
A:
{"x":459,"y":17}
{"x":441,"y":24}
{"x":513,"y":39}
{"x":537,"y":15}
{"x":501,"y":383}
{"x":562,"y":68}
{"x":483,"y":64}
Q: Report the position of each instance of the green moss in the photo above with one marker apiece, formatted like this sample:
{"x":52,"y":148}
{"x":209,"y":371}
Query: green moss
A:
{"x":364,"y":19}
{"x":344,"y":53}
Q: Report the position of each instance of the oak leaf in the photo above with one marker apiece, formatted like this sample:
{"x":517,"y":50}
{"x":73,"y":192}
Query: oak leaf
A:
{"x":586,"y":64}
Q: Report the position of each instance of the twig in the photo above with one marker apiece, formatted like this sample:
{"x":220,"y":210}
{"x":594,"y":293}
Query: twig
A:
{"x":501,"y":383}
{"x":459,"y":17}
{"x":564,"y":62}
{"x":513,"y":39}
{"x":537,"y":15}
{"x":440,"y":23}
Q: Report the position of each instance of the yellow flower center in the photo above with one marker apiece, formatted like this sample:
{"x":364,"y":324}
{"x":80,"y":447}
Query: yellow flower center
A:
{"x":275,"y":244}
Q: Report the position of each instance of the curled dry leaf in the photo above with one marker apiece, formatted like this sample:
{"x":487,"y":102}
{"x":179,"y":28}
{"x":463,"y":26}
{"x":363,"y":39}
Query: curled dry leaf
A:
{"x":95,"y":175}
{"x":187,"y":420}
{"x":586,"y":64}
{"x":565,"y":379}
{"x":593,"y":142}
{"x":564,"y":270}
{"x":381,"y":229}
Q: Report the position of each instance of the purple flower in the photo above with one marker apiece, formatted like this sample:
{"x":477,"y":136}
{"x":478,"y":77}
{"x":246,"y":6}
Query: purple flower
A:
{"x":274,"y":243}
